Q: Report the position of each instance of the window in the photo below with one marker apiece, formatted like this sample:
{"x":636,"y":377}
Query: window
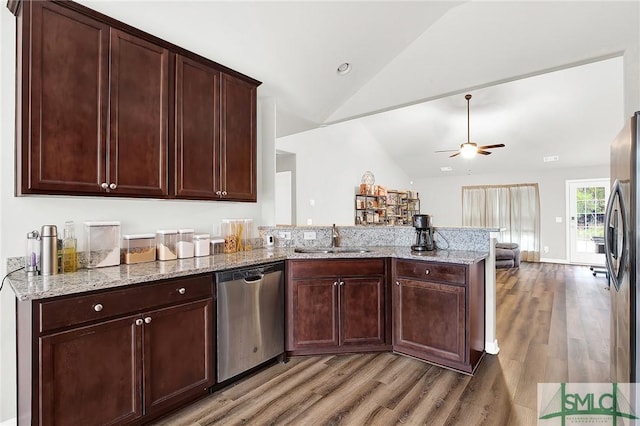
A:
{"x":515,"y":209}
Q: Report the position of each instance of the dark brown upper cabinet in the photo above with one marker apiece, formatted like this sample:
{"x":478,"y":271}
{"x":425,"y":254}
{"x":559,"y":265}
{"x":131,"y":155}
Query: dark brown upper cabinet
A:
{"x":215,"y":138}
{"x":98,"y":101}
{"x":95,"y":105}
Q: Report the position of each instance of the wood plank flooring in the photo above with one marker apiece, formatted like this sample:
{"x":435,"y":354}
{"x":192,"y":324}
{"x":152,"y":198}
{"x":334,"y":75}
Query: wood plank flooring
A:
{"x":553,"y":326}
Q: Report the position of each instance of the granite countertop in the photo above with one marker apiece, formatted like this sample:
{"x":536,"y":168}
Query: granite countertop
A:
{"x":40,"y":287}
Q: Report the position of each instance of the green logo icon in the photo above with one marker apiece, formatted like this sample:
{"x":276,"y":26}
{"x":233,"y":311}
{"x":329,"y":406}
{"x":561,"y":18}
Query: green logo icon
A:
{"x":583,"y":403}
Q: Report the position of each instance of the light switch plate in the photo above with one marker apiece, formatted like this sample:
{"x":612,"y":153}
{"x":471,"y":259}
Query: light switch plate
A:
{"x":309,"y":235}
{"x":285,"y":235}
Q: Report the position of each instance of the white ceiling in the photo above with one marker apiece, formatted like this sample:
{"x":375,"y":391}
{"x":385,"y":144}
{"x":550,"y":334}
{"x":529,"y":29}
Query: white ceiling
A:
{"x":404,"y":53}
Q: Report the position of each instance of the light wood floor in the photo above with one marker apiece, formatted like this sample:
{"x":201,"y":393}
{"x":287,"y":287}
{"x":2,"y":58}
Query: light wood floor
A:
{"x":553,"y":326}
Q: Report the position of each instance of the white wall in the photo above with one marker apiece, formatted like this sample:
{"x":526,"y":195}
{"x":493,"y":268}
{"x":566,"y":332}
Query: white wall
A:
{"x":442,"y":198}
{"x":330,"y":162}
{"x":21,"y":214}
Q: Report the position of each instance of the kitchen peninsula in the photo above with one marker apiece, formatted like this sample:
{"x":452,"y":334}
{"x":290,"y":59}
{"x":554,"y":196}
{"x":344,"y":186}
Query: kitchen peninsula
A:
{"x":110,"y":311}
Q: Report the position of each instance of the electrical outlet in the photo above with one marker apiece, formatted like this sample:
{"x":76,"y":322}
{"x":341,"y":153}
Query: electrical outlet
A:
{"x":546,"y":249}
{"x":285,"y":235}
{"x":309,"y":235}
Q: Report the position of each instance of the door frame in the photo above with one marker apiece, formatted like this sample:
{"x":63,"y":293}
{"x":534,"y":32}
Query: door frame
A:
{"x":568,"y":221}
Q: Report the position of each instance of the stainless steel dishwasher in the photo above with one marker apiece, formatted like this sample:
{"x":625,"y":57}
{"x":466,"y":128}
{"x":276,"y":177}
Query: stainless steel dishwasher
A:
{"x":250,"y":318}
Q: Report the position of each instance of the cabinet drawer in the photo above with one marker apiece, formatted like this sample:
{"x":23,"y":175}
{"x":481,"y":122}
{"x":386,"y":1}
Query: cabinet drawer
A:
{"x":336,"y":268}
{"x":79,"y":309}
{"x":443,"y":272}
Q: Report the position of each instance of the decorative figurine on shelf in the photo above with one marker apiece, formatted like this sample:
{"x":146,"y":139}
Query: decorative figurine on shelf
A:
{"x":368,"y":178}
{"x":367,"y":185}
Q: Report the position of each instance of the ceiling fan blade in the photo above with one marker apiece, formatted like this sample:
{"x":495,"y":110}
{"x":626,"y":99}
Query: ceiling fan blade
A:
{"x":483,"y":152}
{"x":453,"y":155}
{"x":498,"y":145}
{"x":447,"y":150}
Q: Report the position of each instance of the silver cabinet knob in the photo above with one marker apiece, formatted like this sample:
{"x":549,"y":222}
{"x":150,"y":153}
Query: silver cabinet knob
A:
{"x":113,"y":186}
{"x":427,"y":272}
{"x":218,"y":193}
{"x":139,"y":321}
{"x":182,"y":290}
{"x":341,"y":282}
{"x":224,"y":193}
{"x":104,"y":185}
{"x":98,"y":307}
{"x":147,"y":320}
{"x":335,"y":283}
{"x":398,"y":283}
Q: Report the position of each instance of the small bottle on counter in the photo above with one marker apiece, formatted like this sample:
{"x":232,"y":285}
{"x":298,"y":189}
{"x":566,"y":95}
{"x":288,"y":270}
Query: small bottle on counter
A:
{"x":69,"y":248}
{"x":32,"y":255}
{"x":49,"y":250}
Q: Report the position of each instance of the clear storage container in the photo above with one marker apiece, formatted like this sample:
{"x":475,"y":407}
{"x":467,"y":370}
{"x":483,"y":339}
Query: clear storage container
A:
{"x":102,"y":244}
{"x":166,"y":242}
{"x":229,"y":230}
{"x":247,"y":234}
{"x":201,"y":243}
{"x":217,"y":245}
{"x":138,"y":248}
{"x":185,"y":243}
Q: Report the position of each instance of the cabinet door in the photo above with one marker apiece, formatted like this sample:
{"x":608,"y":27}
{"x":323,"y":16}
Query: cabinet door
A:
{"x":197,"y":136}
{"x":64,"y":107}
{"x":238,"y":139}
{"x":138,"y":116}
{"x":178,"y":353}
{"x":429,"y":320}
{"x":92,"y":375}
{"x":362,"y":311}
{"x":314,"y":316}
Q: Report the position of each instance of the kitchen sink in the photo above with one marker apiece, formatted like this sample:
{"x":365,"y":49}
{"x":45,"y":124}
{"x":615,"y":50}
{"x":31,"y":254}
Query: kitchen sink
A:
{"x":330,"y":250}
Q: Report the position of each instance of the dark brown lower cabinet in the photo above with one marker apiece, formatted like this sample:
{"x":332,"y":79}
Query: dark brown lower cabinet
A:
{"x":337,"y":306}
{"x":122,"y":357}
{"x":438,"y":312}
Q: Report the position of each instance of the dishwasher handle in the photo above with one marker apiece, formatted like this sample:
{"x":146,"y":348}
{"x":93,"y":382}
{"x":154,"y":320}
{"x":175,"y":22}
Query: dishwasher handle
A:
{"x":253,"y":279}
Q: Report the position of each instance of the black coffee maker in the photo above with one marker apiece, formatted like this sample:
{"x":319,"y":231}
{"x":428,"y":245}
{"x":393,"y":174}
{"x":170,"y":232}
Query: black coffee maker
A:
{"x":424,"y":233}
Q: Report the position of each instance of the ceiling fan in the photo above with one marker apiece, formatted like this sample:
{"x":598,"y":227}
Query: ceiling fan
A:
{"x":470,"y":149}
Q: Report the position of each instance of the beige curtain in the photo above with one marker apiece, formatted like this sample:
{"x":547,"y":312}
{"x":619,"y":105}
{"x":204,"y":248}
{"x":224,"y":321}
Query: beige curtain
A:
{"x":513,"y":208}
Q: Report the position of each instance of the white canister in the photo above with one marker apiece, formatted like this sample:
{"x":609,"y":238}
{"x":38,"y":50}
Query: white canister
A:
{"x":201,"y":243}
{"x":185,"y":243}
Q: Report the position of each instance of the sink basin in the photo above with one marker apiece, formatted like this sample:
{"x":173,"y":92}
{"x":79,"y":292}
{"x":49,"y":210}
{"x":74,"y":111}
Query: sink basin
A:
{"x":331,"y":250}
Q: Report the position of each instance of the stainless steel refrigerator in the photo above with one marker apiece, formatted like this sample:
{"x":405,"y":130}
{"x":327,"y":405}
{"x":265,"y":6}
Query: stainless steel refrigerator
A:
{"x":621,"y":252}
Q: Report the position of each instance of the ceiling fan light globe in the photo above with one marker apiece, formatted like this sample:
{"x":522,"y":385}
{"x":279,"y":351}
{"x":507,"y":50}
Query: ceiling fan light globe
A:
{"x":468,"y":151}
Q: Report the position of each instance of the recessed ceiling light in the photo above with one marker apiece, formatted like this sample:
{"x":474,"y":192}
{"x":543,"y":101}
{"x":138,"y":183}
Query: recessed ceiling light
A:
{"x":550,"y":158}
{"x":344,"y":68}
{"x":446,"y":169}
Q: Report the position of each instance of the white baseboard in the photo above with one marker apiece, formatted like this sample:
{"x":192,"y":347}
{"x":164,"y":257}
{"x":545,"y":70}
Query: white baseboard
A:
{"x":562,"y":261}
{"x":492,"y":347}
{"x":10,"y":422}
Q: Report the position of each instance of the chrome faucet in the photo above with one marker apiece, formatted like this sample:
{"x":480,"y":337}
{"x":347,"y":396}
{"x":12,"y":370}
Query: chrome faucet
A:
{"x":335,"y":237}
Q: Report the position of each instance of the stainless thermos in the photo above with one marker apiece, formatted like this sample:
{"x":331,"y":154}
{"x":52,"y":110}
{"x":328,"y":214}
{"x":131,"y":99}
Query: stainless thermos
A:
{"x":49,"y":250}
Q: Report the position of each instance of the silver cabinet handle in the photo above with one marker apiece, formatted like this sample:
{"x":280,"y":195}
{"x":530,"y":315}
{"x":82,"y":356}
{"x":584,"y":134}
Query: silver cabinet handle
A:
{"x":182,"y":290}
{"x":139,"y":321}
{"x":335,"y":283}
{"x":427,"y":272}
{"x":341,"y":282}
{"x":98,"y":307}
{"x":113,"y":186}
{"x":218,"y":193}
{"x":398,"y":283}
{"x":147,"y":320}
{"x":224,"y":193}
{"x":104,"y":185}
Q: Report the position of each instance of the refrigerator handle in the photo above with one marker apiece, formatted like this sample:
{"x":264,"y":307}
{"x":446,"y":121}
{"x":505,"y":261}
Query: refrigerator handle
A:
{"x":615,"y":261}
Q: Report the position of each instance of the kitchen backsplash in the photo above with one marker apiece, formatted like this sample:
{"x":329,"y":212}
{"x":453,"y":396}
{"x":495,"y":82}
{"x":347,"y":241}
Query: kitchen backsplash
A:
{"x":473,"y":239}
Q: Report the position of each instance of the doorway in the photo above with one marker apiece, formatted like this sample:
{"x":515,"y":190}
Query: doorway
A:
{"x":586,"y":204}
